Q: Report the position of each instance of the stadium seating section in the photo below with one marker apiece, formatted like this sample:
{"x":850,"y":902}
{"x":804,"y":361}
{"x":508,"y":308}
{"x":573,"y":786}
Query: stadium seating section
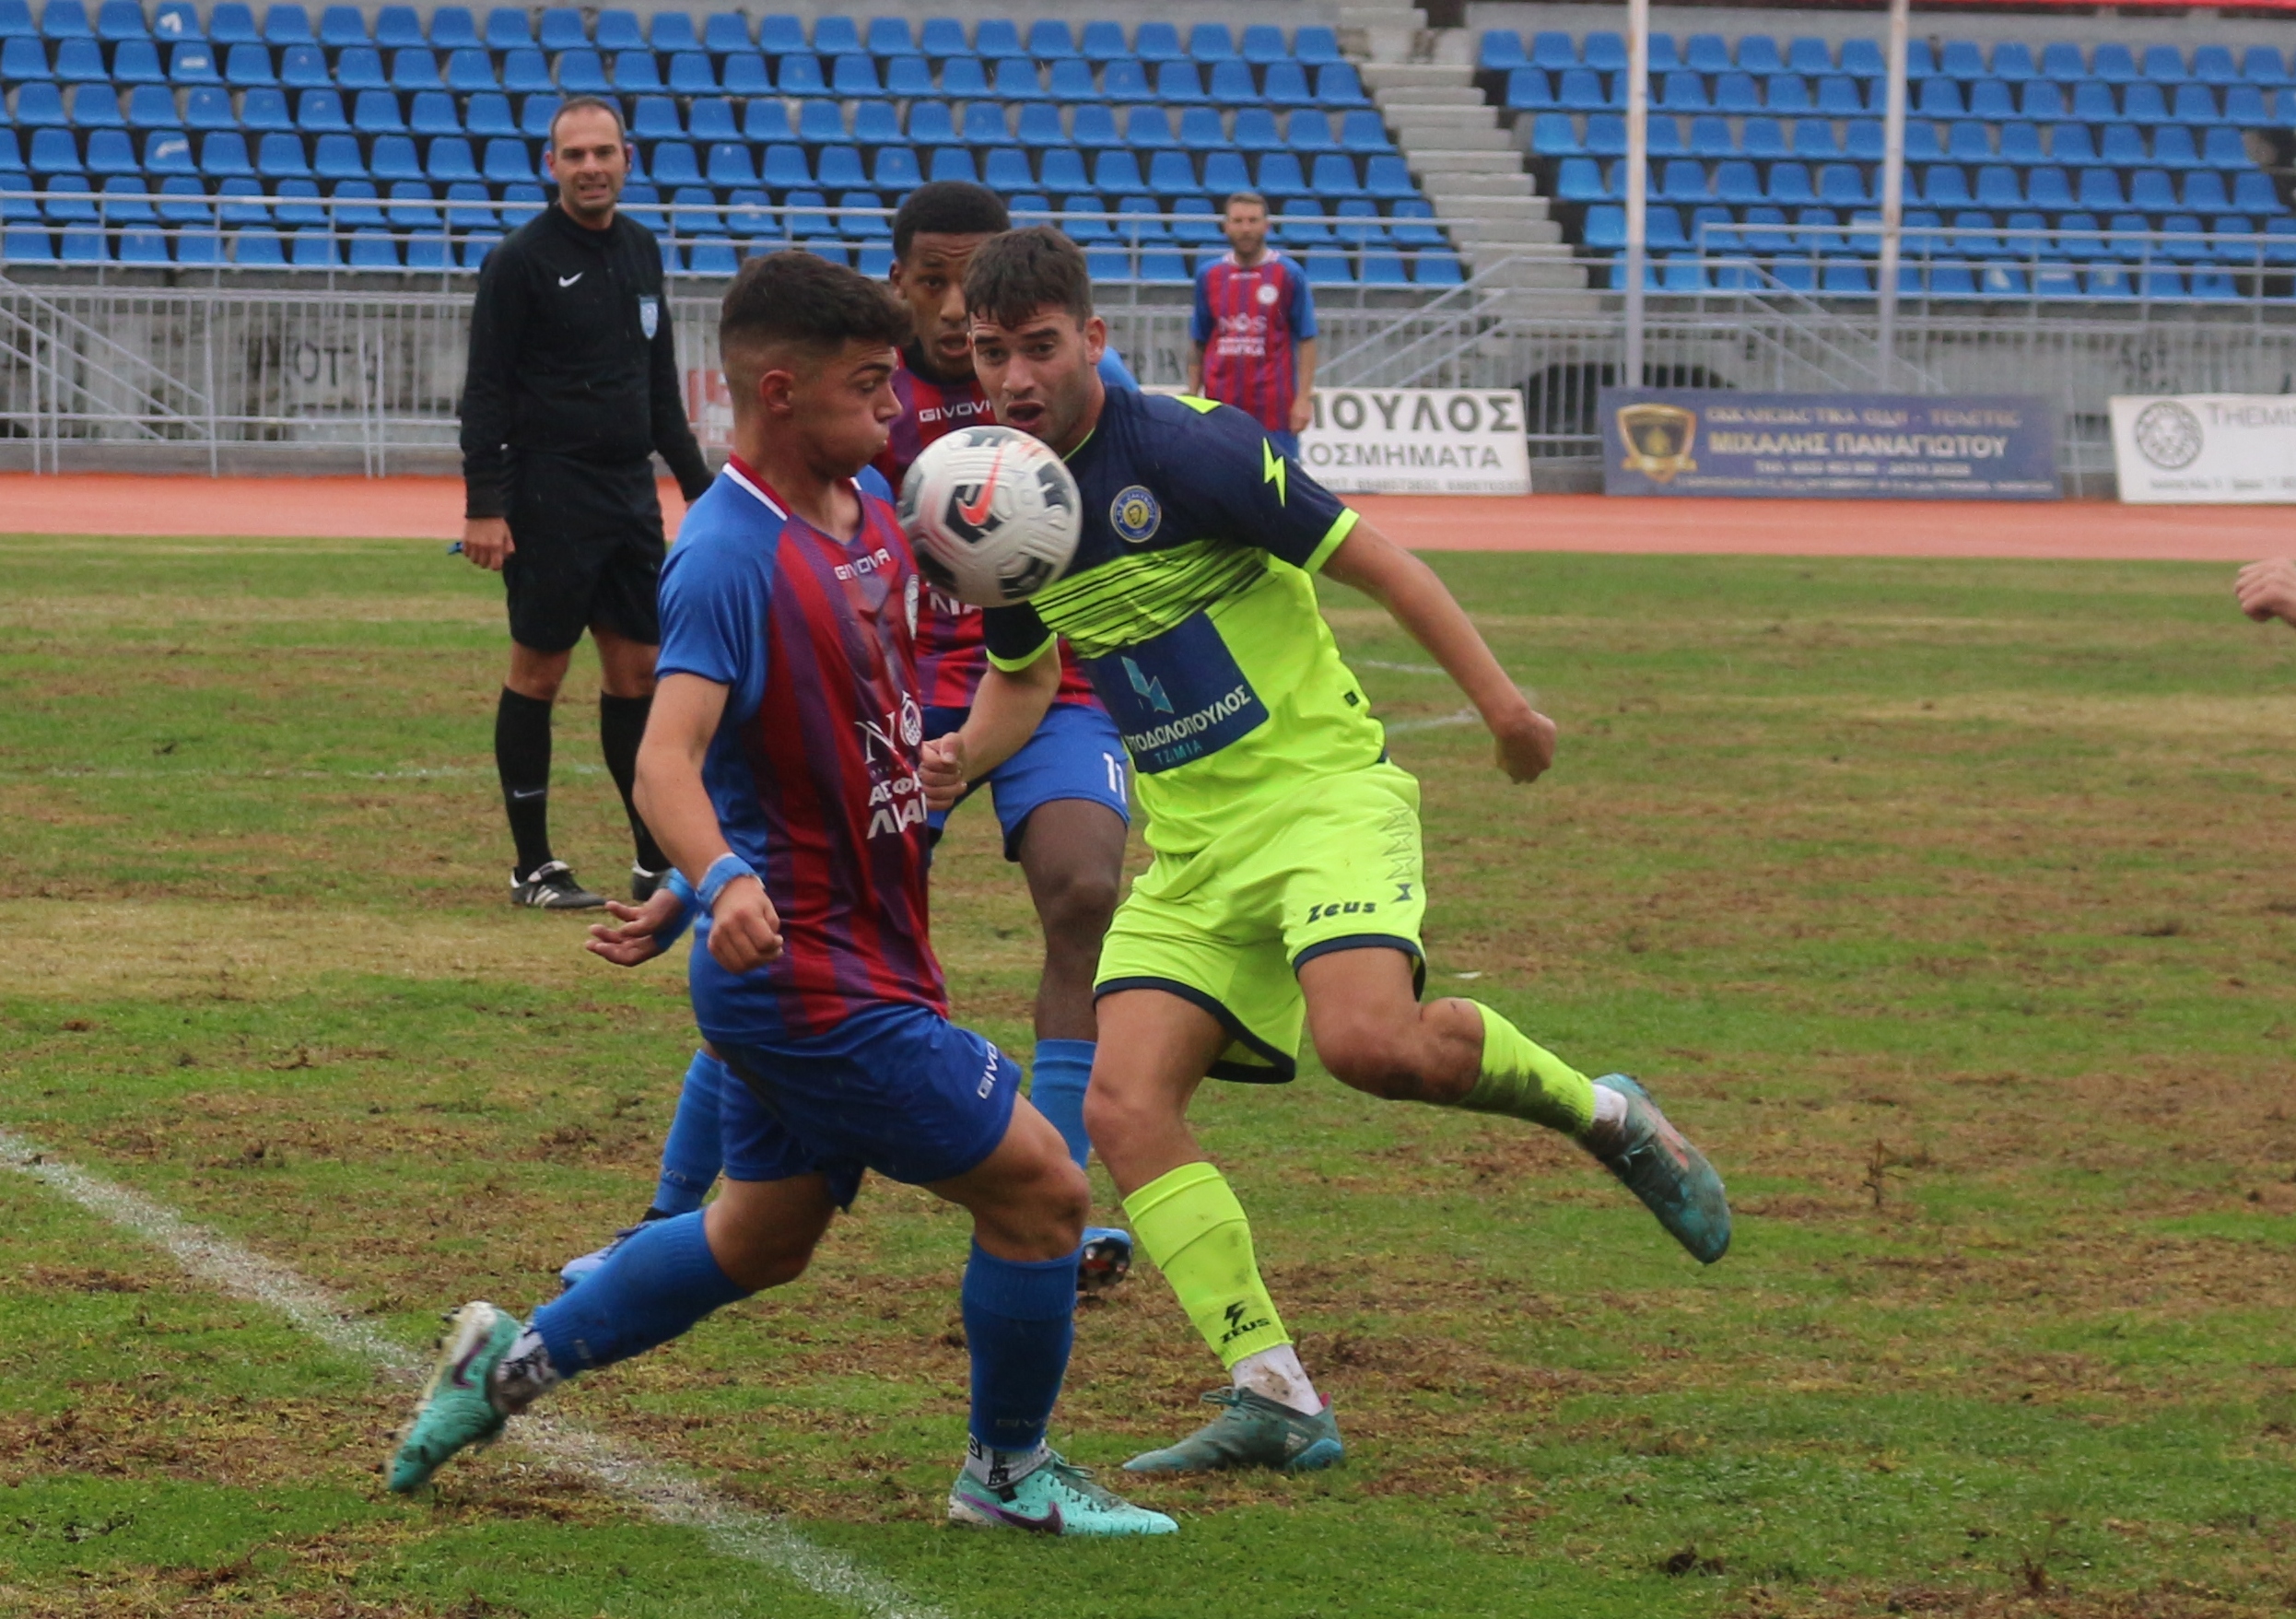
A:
{"x":2066,"y":171}
{"x":289,"y":141}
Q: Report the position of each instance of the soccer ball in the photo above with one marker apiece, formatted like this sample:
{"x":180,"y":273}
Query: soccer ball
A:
{"x":992,"y":513}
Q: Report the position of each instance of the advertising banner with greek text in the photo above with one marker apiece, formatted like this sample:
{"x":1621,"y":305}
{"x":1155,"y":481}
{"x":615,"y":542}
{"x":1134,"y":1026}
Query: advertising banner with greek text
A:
{"x":1827,"y":446}
{"x":1418,"y":441}
{"x":2205,"y":449}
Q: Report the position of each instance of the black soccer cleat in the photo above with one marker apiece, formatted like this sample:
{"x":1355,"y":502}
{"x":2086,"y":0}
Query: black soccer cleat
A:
{"x":551,"y":886}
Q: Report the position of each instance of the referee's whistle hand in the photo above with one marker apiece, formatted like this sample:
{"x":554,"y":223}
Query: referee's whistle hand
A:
{"x":487,"y":542}
{"x":744,"y":932}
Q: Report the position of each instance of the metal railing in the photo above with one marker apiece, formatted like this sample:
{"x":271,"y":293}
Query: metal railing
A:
{"x":108,"y":236}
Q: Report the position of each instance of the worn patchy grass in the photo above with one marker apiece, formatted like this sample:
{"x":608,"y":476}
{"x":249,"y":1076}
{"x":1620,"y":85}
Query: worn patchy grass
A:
{"x":1950,"y":904}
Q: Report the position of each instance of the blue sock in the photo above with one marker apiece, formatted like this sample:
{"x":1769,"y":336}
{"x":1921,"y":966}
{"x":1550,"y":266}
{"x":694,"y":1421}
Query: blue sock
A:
{"x":691,"y":1156}
{"x":1062,"y":1069}
{"x":1020,"y":1319}
{"x":650,"y":1290}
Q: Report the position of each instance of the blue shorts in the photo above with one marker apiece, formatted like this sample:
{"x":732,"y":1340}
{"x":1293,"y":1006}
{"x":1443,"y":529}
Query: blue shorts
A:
{"x":898,"y":1089}
{"x":1075,"y":752}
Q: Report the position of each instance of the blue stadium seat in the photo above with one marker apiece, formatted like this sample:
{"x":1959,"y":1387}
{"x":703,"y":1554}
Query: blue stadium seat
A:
{"x":1388,"y":178}
{"x":1737,"y":183}
{"x":1062,"y":168}
{"x":150,"y":107}
{"x":1997,"y":188}
{"x":469,"y":71}
{"x":398,"y":29}
{"x":137,"y":62}
{"x":1684,"y":92}
{"x":1738,"y":93}
{"x":265,"y":110}
{"x":81,"y":62}
{"x":2261,"y":65}
{"x":174,"y":20}
{"x":452,"y":28}
{"x":1838,"y":97}
{"x":1308,"y":130}
{"x":1231,"y":84}
{"x":1682,"y":181}
{"x":1148,"y":128}
{"x":1789,"y":185}
{"x":582,"y":73}
{"x":1814,"y":142}
{"x":655,"y":118}
{"x":1212,"y":41}
{"x":877,"y":123}
{"x":2172,"y":147}
{"x":2165,"y":64}
{"x":223,"y":154}
{"x":286,"y":25}
{"x":1666,"y":137}
{"x":434,"y":112}
{"x":1526,"y":91}
{"x":984,"y":124}
{"x":415,"y":69}
{"x":1284,"y":84}
{"x":508,"y":161}
{"x":1224,"y":173}
{"x":1961,"y":59}
{"x":449,"y":159}
{"x":2114,"y":64}
{"x":637,"y":72}
{"x":1500,"y":51}
{"x":1157,"y":42}
{"x":1706,"y":53}
{"x":377,"y":112}
{"x":38,"y":104}
{"x":2047,"y":187}
{"x":819,"y":122}
{"x":96,"y":106}
{"x":2099,"y":190}
{"x":2143,"y":103}
{"x":168,"y":152}
{"x":615,"y":32}
{"x":2152,"y":190}
{"x":2021,"y":143}
{"x":1278,"y":174}
{"x":1580,"y":180}
{"x":192,"y":63}
{"x":1941,"y":97}
{"x":231,"y":23}
{"x":337,"y":158}
{"x":1580,"y":90}
{"x":964,"y":78}
{"x":1334,"y":176}
{"x":1863,"y":59}
{"x":1125,"y":80}
{"x":109,"y":152}
{"x":1005,"y":169}
{"x":2062,"y":62}
{"x":1338,"y":86}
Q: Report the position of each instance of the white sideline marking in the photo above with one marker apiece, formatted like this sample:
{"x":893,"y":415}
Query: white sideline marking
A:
{"x":669,"y":1496}
{"x":415,"y":773}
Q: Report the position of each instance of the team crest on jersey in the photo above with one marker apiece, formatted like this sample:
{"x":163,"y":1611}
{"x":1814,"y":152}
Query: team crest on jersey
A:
{"x":1135,"y":515}
{"x":648,"y":316}
{"x":1267,"y":294}
{"x":912,"y":722}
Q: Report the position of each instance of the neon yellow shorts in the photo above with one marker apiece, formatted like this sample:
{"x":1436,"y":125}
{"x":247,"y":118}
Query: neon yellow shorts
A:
{"x":1333,"y":867}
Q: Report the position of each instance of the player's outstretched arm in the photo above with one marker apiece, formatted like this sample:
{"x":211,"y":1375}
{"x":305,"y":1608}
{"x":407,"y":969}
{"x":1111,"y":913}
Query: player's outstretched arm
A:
{"x":1007,"y":708}
{"x":1418,"y":601}
{"x":2267,"y":591}
{"x":745,"y":933}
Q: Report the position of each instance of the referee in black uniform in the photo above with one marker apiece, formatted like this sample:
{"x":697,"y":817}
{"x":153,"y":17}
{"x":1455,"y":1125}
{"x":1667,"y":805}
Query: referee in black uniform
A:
{"x":572,"y":388}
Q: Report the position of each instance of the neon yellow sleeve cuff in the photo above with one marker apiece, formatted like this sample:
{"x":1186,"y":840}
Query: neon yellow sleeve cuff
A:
{"x":1341,"y":526}
{"x":1014,"y":665}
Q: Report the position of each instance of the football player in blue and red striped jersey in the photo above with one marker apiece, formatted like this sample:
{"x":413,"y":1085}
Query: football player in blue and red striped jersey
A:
{"x":1062,"y":800}
{"x":1255,"y":329}
{"x":786,"y":774}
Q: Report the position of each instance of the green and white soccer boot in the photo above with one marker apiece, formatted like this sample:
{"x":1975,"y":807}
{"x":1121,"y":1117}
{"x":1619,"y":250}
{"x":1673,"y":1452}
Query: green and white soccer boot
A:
{"x":1250,"y":1431}
{"x":1057,"y":1498}
{"x":1673,"y":1177}
{"x":455,"y":1412}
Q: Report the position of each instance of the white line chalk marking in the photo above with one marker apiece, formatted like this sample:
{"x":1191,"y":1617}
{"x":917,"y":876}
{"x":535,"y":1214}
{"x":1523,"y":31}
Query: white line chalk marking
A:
{"x":669,"y":1496}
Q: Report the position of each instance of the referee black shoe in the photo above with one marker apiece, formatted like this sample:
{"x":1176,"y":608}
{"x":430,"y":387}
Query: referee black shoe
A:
{"x":645,"y":885}
{"x":551,"y":886}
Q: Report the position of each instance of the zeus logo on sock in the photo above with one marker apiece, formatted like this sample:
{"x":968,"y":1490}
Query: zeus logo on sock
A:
{"x":1239,"y":1326}
{"x":1351,"y":908}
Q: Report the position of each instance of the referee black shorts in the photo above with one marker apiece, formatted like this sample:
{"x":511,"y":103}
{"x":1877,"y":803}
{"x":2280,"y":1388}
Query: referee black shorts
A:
{"x":588,"y":550}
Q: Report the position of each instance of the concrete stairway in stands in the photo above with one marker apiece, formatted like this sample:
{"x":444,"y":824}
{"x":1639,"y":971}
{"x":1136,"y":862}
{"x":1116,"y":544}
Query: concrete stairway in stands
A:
{"x":1422,"y":80}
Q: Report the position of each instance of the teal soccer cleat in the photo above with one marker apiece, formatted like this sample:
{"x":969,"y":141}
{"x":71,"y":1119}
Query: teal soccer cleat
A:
{"x":1056,"y":1499}
{"x":1105,"y":1259}
{"x":1250,"y":1431}
{"x":1672,"y":1177}
{"x":454,"y":1411}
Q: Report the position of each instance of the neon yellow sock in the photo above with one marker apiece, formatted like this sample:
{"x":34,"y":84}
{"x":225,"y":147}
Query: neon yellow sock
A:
{"x":1524,"y":1080}
{"x":1192,"y":1227}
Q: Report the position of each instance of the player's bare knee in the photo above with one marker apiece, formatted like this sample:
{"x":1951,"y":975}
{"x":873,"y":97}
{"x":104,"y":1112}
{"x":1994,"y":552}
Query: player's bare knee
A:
{"x":760,"y":1261}
{"x":1114,"y":1115}
{"x":1075,"y":907}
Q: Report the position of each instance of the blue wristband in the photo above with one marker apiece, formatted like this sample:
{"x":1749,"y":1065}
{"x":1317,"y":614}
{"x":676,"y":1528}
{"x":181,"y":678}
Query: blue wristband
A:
{"x":677,"y":884}
{"x":726,"y":868}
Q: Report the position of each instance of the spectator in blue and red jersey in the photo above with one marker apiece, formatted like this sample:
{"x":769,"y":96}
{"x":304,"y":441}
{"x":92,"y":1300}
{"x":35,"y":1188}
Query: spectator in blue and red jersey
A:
{"x":1255,"y":328}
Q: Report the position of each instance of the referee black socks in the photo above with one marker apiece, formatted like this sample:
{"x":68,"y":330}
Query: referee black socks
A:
{"x":521,"y":757}
{"x":621,"y":727}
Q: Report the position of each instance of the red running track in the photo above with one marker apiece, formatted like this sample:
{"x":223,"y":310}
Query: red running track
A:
{"x":431,"y":508}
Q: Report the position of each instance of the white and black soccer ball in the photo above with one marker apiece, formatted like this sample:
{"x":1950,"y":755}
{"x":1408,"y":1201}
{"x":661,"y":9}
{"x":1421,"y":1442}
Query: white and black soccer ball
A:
{"x":993,"y":514}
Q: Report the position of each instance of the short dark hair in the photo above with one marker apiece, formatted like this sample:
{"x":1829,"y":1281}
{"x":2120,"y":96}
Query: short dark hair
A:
{"x":1251,"y":197}
{"x":1015,"y":275}
{"x":948,"y":207}
{"x":801,"y":297}
{"x":583,"y":104}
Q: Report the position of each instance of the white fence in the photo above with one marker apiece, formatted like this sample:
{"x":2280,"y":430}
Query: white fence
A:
{"x":238,"y":378}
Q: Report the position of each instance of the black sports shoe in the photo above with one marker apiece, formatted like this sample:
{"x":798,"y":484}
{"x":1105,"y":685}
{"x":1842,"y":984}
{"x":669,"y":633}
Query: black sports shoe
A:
{"x":551,"y":886}
{"x":645,"y":885}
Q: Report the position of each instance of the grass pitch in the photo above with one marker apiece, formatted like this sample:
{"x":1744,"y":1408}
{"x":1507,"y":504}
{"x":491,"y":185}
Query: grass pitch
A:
{"x":1950,"y":905}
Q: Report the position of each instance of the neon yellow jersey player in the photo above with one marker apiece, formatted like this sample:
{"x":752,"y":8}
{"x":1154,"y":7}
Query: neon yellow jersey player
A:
{"x":1286,"y":884}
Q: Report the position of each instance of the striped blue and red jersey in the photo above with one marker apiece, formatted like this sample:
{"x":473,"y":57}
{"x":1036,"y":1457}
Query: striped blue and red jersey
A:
{"x":813,"y":771}
{"x":951,"y":657}
{"x":1247,"y":317}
